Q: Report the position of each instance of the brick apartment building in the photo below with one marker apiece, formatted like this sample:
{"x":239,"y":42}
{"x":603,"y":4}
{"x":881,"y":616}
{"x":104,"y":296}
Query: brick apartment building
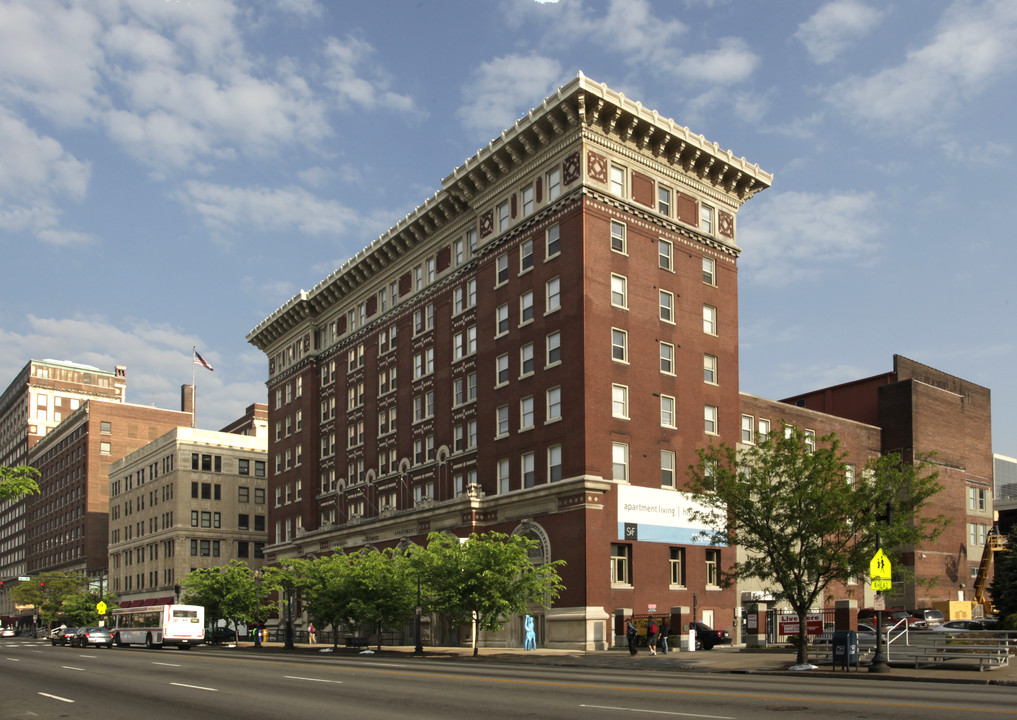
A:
{"x":539,"y":348}
{"x":39,"y":397}
{"x":189,"y":499}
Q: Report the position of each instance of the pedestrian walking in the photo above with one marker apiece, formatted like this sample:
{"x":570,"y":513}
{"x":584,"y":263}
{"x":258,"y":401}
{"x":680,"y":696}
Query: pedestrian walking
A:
{"x":630,"y":633}
{"x":651,"y":636}
{"x":664,"y":631}
{"x":312,"y":634}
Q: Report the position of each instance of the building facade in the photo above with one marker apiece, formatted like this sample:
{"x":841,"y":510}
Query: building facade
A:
{"x":921,"y":410}
{"x":539,"y":348}
{"x":189,"y":499}
{"x":42,"y":394}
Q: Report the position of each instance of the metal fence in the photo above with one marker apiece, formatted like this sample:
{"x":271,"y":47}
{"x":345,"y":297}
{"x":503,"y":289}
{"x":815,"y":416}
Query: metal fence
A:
{"x":774,"y":636}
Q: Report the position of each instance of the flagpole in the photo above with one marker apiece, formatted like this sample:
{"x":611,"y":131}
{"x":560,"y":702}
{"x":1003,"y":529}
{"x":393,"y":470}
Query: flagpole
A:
{"x":194,"y":388}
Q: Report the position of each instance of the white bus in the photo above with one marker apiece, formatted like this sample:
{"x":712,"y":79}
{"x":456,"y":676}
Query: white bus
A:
{"x":157,"y":625}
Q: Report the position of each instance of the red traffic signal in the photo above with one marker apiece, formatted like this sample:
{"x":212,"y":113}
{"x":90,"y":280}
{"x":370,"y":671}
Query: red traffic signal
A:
{"x":42,"y":584}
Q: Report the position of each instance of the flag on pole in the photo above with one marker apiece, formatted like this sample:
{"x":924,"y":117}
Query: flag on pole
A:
{"x":198,"y":360}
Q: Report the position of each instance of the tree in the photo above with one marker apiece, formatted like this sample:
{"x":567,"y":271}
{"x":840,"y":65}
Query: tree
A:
{"x":17,"y":482}
{"x":47,"y":592}
{"x":381,"y":588}
{"x":1003,"y":589}
{"x":485,"y":578}
{"x":803,"y":521}
{"x":328,"y":590}
{"x":227,"y":592}
{"x":79,"y":610}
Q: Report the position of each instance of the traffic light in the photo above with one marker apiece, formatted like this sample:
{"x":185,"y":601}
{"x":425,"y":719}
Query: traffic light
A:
{"x":42,"y":584}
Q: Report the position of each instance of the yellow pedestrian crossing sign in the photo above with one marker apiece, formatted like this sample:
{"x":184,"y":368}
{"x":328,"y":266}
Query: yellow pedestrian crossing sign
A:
{"x":100,"y":607}
{"x":880,"y":571}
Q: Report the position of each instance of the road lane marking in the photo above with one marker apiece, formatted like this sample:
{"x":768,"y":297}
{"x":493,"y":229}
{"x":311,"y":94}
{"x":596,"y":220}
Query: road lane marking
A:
{"x":196,"y":687}
{"x":87,"y":656}
{"x":657,"y":712}
{"x":296,"y":677}
{"x":56,"y":697}
{"x":13,"y":659}
{"x":166,"y":664}
{"x":71,"y":667}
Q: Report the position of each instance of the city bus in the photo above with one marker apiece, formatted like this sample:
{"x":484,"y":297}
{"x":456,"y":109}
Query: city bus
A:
{"x":157,"y":625}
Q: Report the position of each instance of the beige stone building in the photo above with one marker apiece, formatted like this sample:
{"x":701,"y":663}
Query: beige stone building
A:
{"x":189,"y":499}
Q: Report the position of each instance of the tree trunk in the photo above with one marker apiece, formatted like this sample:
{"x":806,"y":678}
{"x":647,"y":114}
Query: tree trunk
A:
{"x":803,"y":638}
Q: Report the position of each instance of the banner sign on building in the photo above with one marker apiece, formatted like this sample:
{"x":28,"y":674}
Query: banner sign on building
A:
{"x":654,"y":515}
{"x":788,"y":624}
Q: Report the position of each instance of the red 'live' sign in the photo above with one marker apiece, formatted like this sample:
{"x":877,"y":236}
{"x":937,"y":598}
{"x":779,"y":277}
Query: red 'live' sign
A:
{"x":788,"y":624}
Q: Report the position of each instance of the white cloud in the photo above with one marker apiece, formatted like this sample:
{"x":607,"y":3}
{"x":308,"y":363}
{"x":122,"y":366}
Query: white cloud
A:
{"x":347,"y":59}
{"x":791,"y":236}
{"x":975,"y":45}
{"x":157,"y":356}
{"x":302,"y":8}
{"x":730,"y":62}
{"x":835,"y":26}
{"x":502,"y":90}
{"x":228,"y":209}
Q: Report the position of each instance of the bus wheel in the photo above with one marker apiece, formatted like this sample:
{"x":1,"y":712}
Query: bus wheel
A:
{"x":184,"y":647}
{"x":148,"y":642}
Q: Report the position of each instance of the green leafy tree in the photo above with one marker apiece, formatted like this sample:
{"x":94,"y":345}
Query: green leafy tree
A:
{"x":382,"y":588}
{"x":485,"y":579}
{"x":328,"y":590}
{"x":47,"y":593}
{"x":79,"y":610}
{"x":226,"y":592}
{"x":17,"y":482}
{"x":802,"y":520}
{"x":1003,"y":589}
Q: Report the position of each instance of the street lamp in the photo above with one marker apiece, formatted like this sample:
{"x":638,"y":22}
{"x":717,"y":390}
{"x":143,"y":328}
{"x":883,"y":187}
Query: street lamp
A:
{"x":289,"y":618}
{"x":257,"y":609}
{"x":418,"y":649}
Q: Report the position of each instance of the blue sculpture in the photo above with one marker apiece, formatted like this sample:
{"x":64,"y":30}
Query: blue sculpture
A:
{"x":531,"y":639}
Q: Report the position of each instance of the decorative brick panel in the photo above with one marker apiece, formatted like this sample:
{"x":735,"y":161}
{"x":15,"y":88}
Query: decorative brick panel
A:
{"x":642,"y":189}
{"x":487,"y":223}
{"x":405,"y":285}
{"x":444,"y":258}
{"x":688,"y":210}
{"x":596,"y":167}
{"x":726,"y":224}
{"x":372,"y":305}
{"x":572,"y":168}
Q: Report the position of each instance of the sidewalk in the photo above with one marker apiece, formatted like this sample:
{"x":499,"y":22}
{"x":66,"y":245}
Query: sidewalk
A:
{"x":732,"y":660}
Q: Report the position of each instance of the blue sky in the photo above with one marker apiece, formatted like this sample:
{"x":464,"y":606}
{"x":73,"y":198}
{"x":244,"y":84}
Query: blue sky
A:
{"x":172,"y":171}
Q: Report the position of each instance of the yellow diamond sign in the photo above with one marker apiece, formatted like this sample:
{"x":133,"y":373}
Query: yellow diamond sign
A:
{"x":879,"y":568}
{"x":100,"y":607}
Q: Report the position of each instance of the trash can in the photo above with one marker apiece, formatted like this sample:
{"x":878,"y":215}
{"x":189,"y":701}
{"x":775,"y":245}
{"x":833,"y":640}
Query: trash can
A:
{"x":845,"y":649}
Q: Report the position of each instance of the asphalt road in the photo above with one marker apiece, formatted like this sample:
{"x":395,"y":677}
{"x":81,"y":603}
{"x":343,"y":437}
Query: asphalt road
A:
{"x":42,"y":681}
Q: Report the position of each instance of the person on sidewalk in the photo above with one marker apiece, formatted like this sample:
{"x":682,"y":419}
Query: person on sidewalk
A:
{"x":651,"y":636}
{"x":312,"y":634}
{"x":630,"y":634}
{"x":664,"y":630}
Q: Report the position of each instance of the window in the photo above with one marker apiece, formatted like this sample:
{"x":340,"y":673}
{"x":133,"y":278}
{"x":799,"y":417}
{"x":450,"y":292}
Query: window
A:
{"x":243,"y":494}
{"x":501,"y":269}
{"x":553,"y":240}
{"x":554,"y":463}
{"x":621,"y":564}
{"x":748,"y":427}
{"x":527,"y":195}
{"x":526,"y":467}
{"x":553,"y":404}
{"x":553,"y":295}
{"x":810,"y":440}
{"x":706,"y":218}
{"x":976,"y":534}
{"x":713,"y":568}
{"x":503,"y":476}
{"x":976,"y":498}
{"x":105,"y":426}
{"x":665,"y":255}
{"x":667,"y":358}
{"x":666,"y":306}
{"x":710,"y":416}
{"x":620,"y":462}
{"x":678,"y":566}
{"x":553,"y":345}
{"x":710,"y":369}
{"x":617,"y":236}
{"x":618,"y":181}
{"x":619,"y":291}
{"x":619,"y":345}
{"x":763,"y":430}
{"x":709,"y":320}
{"x":526,"y":307}
{"x":709,"y":271}
{"x":526,"y":256}
{"x":502,"y":421}
{"x":526,"y":360}
{"x":620,"y":402}
{"x":105,"y":448}
{"x":667,"y":410}
{"x":664,"y":200}
{"x":553,"y":184}
{"x":526,"y":413}
{"x":667,"y":460}
{"x":501,"y":316}
{"x":503,"y":215}
{"x":502,"y":369}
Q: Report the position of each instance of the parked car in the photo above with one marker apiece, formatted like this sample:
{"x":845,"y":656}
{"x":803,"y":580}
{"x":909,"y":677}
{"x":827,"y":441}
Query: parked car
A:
{"x":960,"y":626}
{"x":931,"y":617}
{"x":62,"y":636}
{"x":92,"y":637}
{"x":220,"y":635}
{"x":914,"y":623}
{"x":707,"y":637}
{"x":7,"y":632}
